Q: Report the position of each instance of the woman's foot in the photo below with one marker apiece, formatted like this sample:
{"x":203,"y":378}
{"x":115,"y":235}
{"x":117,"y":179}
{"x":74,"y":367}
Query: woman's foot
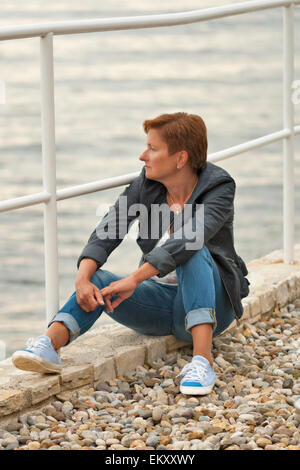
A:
{"x":39,"y":356}
{"x":199,"y":377}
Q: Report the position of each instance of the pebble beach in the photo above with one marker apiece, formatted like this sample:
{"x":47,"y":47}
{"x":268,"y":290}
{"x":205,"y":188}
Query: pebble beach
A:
{"x":250,"y":408}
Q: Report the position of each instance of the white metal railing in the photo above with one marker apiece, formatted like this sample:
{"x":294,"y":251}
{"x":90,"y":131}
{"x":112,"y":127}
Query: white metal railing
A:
{"x":50,"y":195}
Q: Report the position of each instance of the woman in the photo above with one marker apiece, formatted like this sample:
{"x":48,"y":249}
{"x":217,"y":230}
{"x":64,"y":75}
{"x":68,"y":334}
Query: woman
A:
{"x":190,"y":280}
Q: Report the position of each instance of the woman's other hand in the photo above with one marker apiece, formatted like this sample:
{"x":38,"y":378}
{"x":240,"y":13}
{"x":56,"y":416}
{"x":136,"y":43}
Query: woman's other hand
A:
{"x":124,"y":288}
{"x":88,"y":295}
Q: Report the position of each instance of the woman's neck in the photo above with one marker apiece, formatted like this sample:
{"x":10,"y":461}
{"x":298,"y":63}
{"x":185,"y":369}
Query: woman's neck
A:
{"x":181,"y":188}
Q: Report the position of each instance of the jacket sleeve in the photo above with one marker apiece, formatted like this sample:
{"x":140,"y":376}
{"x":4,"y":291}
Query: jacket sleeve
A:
{"x":214,"y":208}
{"x":114,"y":225}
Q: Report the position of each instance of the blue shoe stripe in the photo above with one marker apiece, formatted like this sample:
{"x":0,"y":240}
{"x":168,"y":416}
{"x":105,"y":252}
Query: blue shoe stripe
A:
{"x":28,"y":350}
{"x":191,"y":384}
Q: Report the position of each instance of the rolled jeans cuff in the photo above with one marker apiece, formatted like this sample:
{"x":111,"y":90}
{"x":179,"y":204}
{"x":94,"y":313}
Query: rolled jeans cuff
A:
{"x":69,"y":322}
{"x":199,"y":316}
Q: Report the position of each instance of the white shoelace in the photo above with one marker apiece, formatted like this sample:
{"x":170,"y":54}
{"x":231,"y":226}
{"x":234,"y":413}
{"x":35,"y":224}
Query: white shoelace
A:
{"x":41,"y":343}
{"x":194,"y":371}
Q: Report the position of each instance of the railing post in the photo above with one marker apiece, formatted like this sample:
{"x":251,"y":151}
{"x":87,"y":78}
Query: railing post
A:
{"x":49,"y":175}
{"x":288,"y":142}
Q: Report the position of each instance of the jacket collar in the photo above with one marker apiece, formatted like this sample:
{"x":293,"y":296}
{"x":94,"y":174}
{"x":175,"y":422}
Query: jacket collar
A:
{"x":156,"y":191}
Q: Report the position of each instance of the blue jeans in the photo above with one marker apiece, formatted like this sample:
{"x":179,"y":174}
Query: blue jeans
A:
{"x":161,"y":309}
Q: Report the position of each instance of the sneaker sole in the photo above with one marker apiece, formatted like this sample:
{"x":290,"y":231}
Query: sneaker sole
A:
{"x":196,"y":390}
{"x":33,"y":363}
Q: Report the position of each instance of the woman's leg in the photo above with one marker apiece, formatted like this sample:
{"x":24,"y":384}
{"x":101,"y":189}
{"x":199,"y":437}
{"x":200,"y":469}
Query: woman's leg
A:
{"x":202,"y":308}
{"x":59,"y":335}
{"x":147,"y":311}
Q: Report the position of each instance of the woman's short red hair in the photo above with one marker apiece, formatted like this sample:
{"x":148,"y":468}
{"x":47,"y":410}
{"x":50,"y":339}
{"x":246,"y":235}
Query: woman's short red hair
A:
{"x":182,"y":131}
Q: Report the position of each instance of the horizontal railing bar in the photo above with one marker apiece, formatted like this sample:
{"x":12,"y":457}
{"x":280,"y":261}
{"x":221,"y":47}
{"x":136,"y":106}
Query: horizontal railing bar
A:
{"x":250,"y":145}
{"x":117,"y":181}
{"x":24,"y":201}
{"x":138,"y":22}
{"x":88,"y":188}
{"x":30,"y":200}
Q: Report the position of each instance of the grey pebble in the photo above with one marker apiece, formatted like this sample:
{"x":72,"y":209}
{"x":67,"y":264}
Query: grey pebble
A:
{"x":92,"y":435}
{"x":12,"y":446}
{"x":153,"y":441}
{"x":103,"y":413}
{"x":23,"y":439}
{"x":179,"y":420}
{"x":13,"y":427}
{"x":204,"y":418}
{"x":42,"y":426}
{"x":124,"y":387}
{"x":116,"y":403}
{"x":167,"y":383}
{"x":57,"y":405}
{"x":126,"y":430}
{"x":157,"y":413}
{"x":31,"y":420}
{"x":102,"y":386}
{"x":127,"y":440}
{"x":145,"y":413}
{"x":125,"y":421}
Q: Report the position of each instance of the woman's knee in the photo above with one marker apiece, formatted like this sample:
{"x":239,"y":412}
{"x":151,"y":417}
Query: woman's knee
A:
{"x":199,"y":259}
{"x":102,"y":278}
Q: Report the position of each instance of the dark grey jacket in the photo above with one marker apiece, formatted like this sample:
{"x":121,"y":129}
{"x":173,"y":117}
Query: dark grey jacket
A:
{"x":215,"y":189}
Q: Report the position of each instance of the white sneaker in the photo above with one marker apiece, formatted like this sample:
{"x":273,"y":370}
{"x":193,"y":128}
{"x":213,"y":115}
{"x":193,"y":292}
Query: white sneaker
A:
{"x":39,"y":356}
{"x":199,"y":377}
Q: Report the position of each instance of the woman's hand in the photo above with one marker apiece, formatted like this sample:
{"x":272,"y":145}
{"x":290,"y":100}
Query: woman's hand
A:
{"x":88,"y":296}
{"x":124,"y":288}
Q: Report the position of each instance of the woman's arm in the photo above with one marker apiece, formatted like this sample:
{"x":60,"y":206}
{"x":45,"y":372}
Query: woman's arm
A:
{"x":86,"y":270}
{"x":113,"y":227}
{"x":144,"y":272}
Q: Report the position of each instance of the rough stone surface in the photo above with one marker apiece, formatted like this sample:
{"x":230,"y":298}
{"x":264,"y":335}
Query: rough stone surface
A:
{"x":155,"y":349}
{"x":41,"y":390}
{"x":104,"y":369}
{"x":128,"y":357}
{"x":12,"y":401}
{"x":76,"y":376}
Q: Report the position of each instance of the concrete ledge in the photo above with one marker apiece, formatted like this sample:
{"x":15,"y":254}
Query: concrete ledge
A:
{"x":114,"y":350}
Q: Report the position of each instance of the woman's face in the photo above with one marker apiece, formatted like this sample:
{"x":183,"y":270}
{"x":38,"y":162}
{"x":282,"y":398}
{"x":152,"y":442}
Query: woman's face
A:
{"x":159,"y":165}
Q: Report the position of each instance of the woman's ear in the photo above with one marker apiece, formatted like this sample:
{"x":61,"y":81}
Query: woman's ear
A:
{"x":182,"y":159}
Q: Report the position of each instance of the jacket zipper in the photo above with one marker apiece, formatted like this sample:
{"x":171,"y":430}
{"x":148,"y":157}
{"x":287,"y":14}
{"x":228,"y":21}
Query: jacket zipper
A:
{"x":233,"y":262}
